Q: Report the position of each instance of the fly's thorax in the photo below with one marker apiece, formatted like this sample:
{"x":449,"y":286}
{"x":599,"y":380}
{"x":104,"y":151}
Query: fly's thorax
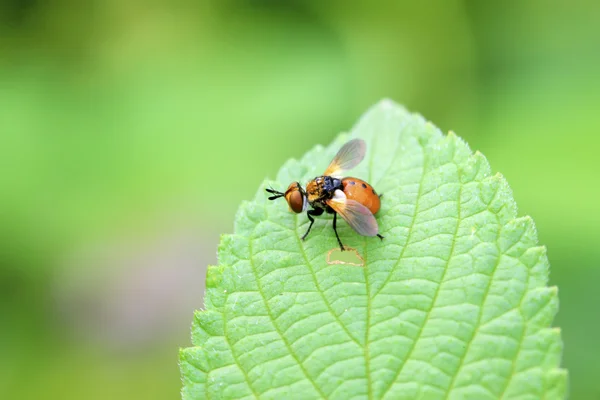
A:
{"x":322,"y":188}
{"x":314,"y":189}
{"x":331,"y":184}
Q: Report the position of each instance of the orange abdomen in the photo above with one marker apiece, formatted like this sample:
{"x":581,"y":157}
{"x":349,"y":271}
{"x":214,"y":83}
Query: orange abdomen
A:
{"x":361,"y":191}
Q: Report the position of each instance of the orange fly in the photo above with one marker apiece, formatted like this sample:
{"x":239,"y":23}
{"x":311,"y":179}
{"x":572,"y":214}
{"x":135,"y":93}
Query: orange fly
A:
{"x":353,"y":199}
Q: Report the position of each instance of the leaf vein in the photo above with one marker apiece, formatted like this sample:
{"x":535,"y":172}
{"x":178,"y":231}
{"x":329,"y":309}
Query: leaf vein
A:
{"x":437,"y":292}
{"x":410,"y":230}
{"x":283,"y":338}
{"x":235,"y":358}
{"x":318,"y":286}
{"x":480,"y":313}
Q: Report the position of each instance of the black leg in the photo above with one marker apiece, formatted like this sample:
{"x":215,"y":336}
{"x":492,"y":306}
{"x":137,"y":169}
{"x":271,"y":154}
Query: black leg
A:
{"x":310,"y":213}
{"x":335,"y":230}
{"x":378,"y":235}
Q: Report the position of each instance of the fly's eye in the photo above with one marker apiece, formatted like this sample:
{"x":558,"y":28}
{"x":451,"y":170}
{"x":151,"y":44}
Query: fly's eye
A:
{"x":295,"y":200}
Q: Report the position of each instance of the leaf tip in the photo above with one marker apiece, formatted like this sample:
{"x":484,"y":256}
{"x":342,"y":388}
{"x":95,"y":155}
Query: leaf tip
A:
{"x":388,"y":104}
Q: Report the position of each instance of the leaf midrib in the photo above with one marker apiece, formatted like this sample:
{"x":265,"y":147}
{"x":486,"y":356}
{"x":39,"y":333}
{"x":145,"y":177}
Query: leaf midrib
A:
{"x":268,"y":308}
{"x":318,"y":286}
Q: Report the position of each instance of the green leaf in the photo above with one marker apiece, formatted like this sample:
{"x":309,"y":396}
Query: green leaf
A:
{"x":453,"y":303}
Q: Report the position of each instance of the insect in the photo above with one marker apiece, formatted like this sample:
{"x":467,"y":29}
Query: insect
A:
{"x":353,"y":199}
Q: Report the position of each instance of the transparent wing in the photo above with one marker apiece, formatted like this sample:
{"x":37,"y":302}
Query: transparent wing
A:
{"x":347,"y":157}
{"x":355,"y":214}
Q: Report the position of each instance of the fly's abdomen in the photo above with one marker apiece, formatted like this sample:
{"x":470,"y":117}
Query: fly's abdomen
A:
{"x":359,"y":190}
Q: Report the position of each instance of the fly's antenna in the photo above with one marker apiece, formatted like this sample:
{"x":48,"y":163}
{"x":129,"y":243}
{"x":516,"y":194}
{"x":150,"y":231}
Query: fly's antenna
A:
{"x":277,"y":194}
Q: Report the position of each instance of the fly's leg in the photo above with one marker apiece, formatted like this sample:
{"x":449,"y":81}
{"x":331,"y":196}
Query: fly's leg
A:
{"x":335,"y":230}
{"x":310,"y":213}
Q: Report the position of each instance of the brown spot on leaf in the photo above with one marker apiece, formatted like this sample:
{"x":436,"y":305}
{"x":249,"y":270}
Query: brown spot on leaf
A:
{"x":349,"y":256}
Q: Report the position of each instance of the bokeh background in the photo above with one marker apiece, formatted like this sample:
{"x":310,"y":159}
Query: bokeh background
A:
{"x":130,"y":131}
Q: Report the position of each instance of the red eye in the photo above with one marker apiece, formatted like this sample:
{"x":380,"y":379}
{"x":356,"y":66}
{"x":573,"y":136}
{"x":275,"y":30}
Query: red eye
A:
{"x":295,"y":201}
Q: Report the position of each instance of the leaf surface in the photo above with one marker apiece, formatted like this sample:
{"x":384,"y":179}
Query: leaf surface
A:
{"x":452,"y":304}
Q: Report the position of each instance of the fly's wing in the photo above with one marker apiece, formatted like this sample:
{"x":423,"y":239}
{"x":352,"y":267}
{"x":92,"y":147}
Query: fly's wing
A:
{"x":347,"y":157}
{"x":355,"y":214}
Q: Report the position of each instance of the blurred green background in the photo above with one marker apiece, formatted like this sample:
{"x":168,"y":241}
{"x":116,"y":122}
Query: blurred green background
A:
{"x":130,"y":132}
